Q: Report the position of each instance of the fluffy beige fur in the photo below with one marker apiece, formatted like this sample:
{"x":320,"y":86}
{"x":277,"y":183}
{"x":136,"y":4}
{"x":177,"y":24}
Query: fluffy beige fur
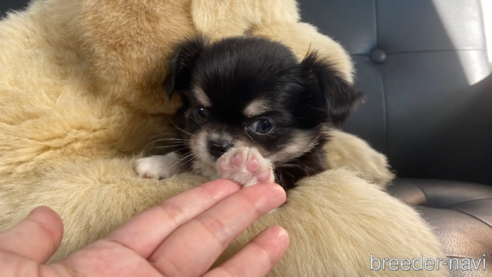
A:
{"x":81,"y":97}
{"x":348,"y":151}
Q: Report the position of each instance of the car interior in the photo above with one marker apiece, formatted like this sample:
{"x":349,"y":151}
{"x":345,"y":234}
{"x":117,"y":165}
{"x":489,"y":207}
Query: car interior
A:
{"x":425,"y":69}
{"x":424,"y":66}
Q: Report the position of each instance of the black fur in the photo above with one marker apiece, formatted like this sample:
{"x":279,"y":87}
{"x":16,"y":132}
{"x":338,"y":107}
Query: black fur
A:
{"x":182,"y":62}
{"x":302,"y":97}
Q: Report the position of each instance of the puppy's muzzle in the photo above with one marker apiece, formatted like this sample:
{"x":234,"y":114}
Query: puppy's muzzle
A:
{"x":218,"y":148}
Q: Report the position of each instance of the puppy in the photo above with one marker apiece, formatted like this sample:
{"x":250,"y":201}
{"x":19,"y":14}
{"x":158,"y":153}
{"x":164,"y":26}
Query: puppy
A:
{"x":251,"y":112}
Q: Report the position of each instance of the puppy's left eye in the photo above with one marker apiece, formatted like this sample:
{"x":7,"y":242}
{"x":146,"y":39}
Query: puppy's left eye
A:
{"x":201,"y":113}
{"x":261,"y":126}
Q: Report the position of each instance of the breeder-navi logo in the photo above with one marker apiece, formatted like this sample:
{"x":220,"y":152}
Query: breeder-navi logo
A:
{"x":419,"y":264}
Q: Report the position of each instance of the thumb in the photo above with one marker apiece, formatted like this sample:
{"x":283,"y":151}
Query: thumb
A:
{"x":36,"y":238}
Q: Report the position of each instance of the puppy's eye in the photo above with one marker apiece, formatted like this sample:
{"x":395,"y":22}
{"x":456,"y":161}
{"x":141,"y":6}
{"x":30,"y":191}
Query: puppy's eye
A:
{"x":261,"y":126}
{"x":201,"y":113}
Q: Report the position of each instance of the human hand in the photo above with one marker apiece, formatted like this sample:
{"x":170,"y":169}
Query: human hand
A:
{"x":183,"y":236}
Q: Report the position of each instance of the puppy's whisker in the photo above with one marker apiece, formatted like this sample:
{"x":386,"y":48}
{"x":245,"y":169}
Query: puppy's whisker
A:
{"x":163,"y":140}
{"x":188,"y":133}
{"x":173,"y":145}
{"x":189,"y":160}
{"x":184,"y":161}
{"x":290,"y":174}
{"x":180,"y":161}
{"x":197,"y":122}
{"x":168,"y":139}
{"x":167,"y":147}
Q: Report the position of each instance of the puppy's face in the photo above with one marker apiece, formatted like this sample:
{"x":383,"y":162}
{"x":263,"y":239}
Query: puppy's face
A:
{"x":253,"y":92}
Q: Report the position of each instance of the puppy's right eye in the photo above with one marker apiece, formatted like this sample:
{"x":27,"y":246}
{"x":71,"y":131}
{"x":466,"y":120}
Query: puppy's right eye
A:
{"x":261,"y":127}
{"x":201,"y":113}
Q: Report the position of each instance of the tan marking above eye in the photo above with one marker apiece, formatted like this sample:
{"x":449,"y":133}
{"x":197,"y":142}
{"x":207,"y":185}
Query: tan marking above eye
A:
{"x":201,"y":97}
{"x":256,"y":108}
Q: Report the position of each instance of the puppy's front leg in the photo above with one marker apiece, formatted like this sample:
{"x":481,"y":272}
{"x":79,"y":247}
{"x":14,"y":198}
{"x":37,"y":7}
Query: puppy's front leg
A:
{"x":245,"y":166}
{"x":158,"y":167}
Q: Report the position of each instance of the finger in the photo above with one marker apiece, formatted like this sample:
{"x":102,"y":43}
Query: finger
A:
{"x":14,"y":265}
{"x":37,"y":237}
{"x":144,"y":233}
{"x":258,"y":257}
{"x":204,"y":238}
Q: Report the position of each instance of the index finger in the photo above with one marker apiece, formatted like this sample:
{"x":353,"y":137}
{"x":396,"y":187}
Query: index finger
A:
{"x":204,"y":238}
{"x":145,"y":232}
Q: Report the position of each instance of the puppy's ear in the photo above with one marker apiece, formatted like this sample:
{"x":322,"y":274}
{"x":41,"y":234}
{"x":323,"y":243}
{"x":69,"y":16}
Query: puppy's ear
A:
{"x":331,"y":92}
{"x":182,"y":64}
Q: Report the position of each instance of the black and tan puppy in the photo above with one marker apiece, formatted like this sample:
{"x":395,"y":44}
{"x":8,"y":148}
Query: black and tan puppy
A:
{"x":251,"y":112}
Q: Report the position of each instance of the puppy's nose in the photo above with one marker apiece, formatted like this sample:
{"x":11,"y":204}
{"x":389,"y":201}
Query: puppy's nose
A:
{"x":217,"y":148}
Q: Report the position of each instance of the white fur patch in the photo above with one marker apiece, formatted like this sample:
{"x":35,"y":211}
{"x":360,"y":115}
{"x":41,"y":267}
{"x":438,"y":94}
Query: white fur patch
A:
{"x":158,"y":166}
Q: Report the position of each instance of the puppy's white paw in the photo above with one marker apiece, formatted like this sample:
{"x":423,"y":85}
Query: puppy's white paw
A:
{"x":245,"y":166}
{"x":157,"y":167}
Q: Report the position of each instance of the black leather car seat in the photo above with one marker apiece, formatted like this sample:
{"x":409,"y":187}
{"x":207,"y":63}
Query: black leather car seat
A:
{"x":424,"y":67}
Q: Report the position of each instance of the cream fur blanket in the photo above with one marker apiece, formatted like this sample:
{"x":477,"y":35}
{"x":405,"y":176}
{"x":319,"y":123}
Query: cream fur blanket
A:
{"x":81,"y":96}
